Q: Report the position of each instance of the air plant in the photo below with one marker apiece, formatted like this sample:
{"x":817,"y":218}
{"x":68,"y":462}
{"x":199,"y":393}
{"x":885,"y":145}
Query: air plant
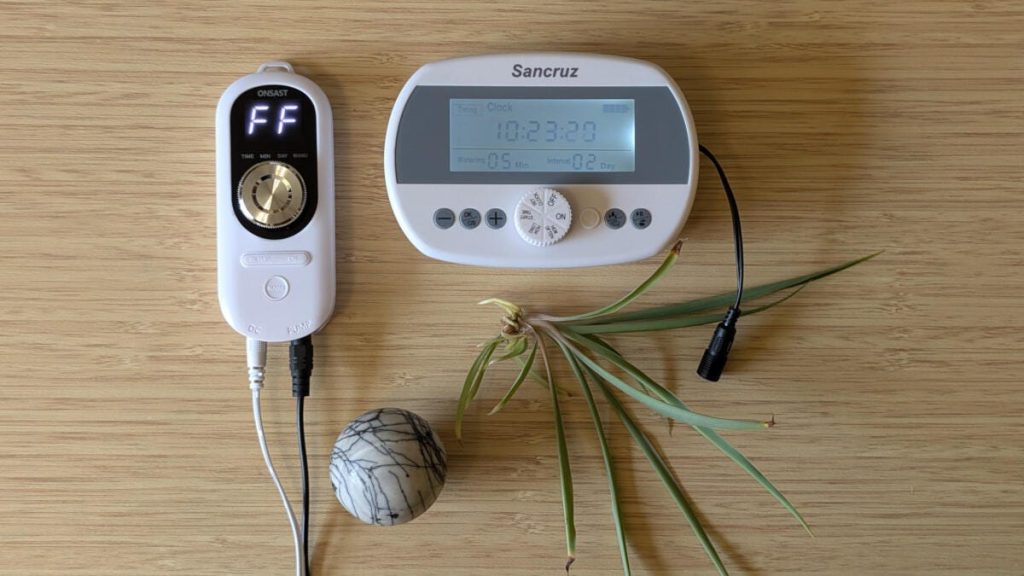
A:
{"x":525,"y":337}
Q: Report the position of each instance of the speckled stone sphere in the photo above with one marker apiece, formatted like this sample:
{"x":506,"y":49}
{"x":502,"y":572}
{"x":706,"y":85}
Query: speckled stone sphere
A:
{"x":388,"y":466}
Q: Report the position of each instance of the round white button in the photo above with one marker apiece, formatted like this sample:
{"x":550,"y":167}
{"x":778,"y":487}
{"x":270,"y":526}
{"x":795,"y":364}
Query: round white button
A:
{"x":590,"y":218}
{"x":543,"y":217}
{"x":276,"y":288}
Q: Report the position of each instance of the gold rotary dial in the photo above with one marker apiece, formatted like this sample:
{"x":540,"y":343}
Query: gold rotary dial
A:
{"x":271,"y":194}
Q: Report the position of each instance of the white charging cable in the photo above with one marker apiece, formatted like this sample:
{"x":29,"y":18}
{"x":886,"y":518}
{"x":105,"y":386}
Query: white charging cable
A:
{"x":256,"y":358}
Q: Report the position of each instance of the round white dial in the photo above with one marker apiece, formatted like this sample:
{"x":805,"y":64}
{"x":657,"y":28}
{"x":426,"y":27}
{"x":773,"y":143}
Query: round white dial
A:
{"x":543,"y":217}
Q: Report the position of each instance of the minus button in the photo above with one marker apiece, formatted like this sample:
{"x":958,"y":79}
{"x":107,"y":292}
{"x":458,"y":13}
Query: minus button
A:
{"x":444,"y":218}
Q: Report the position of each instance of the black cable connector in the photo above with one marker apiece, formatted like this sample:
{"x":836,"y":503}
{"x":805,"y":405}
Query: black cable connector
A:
{"x":712,"y":363}
{"x":300,"y":360}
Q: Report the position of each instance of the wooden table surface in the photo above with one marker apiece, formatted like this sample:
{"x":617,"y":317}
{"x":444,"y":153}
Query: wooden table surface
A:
{"x":126,"y":442}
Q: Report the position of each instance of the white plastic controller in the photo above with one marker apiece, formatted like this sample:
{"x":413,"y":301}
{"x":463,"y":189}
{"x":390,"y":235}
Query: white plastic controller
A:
{"x":541,"y":160}
{"x":275,"y":205}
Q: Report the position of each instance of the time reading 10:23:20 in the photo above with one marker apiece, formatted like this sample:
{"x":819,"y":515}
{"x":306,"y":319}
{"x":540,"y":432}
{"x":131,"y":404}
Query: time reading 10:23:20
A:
{"x":548,"y":131}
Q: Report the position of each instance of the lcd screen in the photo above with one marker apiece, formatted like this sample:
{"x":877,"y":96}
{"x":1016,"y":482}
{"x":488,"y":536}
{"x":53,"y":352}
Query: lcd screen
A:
{"x":542,"y":135}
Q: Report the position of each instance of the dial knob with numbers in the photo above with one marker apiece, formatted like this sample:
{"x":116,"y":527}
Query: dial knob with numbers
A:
{"x":271,"y":194}
{"x":543,"y":217}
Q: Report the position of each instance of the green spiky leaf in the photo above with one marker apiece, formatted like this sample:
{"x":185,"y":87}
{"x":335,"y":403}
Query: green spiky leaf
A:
{"x":609,"y":466}
{"x":666,"y":477}
{"x":563,"y":464}
{"x":656,"y":324}
{"x":472,"y":383}
{"x":726,"y":298}
{"x":527,"y":367}
{"x":679,"y":414}
{"x":716,"y":439}
{"x":644,"y":286}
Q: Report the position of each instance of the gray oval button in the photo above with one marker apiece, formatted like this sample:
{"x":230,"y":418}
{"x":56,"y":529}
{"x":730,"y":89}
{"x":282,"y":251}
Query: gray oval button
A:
{"x":444,"y":218}
{"x":470,"y":218}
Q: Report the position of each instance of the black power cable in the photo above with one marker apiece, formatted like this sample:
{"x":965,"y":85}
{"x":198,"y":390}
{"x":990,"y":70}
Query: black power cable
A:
{"x":300,"y":361}
{"x":712,"y":363}
{"x":301,"y":429}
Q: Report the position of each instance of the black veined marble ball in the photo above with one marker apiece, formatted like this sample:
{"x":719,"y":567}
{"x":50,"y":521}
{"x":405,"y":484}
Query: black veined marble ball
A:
{"x":388,"y":466}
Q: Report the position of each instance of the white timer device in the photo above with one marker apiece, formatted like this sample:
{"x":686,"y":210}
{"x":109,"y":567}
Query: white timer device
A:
{"x":275,"y":205}
{"x":541,"y":160}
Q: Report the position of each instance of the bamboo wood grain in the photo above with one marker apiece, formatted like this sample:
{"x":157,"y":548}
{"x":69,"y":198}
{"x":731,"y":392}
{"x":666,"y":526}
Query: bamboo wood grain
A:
{"x":126,"y":445}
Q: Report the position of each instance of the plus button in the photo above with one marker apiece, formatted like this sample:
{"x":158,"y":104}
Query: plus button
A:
{"x":496,"y":218}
